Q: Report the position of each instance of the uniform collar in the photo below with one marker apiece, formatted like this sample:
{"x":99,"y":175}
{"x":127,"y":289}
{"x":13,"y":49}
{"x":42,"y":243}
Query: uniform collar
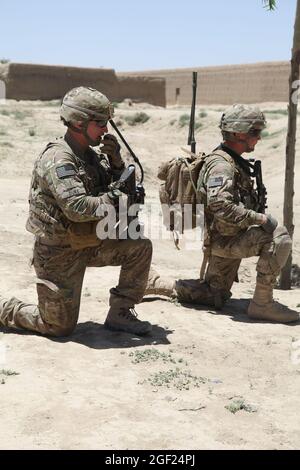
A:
{"x":239,"y":160}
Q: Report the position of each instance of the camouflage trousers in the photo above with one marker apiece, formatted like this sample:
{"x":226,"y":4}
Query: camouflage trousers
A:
{"x":60,"y":272}
{"x":225,"y":258}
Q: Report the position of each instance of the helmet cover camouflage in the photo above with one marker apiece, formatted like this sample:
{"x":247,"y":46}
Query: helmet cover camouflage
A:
{"x":85,"y":104}
{"x":242,"y":119}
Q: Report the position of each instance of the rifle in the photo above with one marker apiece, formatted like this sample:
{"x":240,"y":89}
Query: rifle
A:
{"x":127,"y":183}
{"x":191,"y":137}
{"x":260,"y":188}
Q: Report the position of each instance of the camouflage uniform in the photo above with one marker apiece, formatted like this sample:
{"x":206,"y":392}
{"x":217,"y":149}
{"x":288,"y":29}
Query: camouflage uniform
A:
{"x":68,"y":187}
{"x":235,"y":227}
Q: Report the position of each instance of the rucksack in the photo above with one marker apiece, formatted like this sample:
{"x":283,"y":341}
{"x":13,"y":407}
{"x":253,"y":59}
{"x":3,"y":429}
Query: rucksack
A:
{"x":179,"y":187}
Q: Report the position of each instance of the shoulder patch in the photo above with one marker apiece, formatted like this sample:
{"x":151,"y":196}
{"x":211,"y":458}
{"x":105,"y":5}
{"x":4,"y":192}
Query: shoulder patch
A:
{"x":64,"y":171}
{"x":215,"y":181}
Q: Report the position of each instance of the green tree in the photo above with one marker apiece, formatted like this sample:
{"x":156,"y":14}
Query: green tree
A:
{"x":270,"y":4}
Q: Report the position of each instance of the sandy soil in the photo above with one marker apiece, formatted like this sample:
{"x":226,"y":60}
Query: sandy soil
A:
{"x":104,"y":390}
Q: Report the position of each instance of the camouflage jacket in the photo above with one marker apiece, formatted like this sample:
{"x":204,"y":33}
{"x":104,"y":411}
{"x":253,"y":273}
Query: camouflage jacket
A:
{"x":67,"y":186}
{"x":228,"y":195}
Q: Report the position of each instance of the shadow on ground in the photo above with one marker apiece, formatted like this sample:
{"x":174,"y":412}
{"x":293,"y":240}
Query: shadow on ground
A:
{"x":95,"y":336}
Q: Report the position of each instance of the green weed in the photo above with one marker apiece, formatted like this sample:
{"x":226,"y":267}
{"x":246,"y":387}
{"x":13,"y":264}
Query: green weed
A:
{"x":8,"y":372}
{"x":21,"y":115}
{"x":182,"y":380}
{"x":137,"y":118}
{"x":119,"y":122}
{"x":184,"y":120}
{"x":150,"y":355}
{"x":269,"y":135}
{"x":6,"y":144}
{"x":239,"y":404}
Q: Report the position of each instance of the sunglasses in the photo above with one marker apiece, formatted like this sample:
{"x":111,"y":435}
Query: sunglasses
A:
{"x":255,"y":132}
{"x":100,"y":124}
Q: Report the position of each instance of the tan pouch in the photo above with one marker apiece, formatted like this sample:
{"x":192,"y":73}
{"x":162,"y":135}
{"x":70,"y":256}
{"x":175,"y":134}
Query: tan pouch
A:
{"x":83,"y":235}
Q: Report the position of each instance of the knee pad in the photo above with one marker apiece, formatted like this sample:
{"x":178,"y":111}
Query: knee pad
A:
{"x":282,"y":245}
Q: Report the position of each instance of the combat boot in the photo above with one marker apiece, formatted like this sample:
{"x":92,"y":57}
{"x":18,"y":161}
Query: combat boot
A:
{"x":263,"y":307}
{"x":125,"y":319}
{"x":3,"y":302}
{"x":158,"y":285}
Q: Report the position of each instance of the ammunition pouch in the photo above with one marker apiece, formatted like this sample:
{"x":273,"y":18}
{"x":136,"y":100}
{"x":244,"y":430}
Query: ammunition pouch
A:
{"x":83,"y":235}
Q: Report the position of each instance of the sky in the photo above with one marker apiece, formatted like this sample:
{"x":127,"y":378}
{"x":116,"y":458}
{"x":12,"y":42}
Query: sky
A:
{"x":141,"y":35}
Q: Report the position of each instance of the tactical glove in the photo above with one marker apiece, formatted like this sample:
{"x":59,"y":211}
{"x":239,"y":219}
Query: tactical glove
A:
{"x":111,"y":148}
{"x":116,"y":190}
{"x":270,"y":225}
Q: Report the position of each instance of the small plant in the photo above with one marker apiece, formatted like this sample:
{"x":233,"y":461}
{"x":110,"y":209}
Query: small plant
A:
{"x":3,"y":132}
{"x":202,"y":114}
{"x":184,"y":120}
{"x":21,"y":115}
{"x":198,"y":125}
{"x":182,"y":380}
{"x":172,"y":122}
{"x":8,"y":372}
{"x":4,"y":112}
{"x":150,"y":355}
{"x":238,"y":404}
{"x":31,"y":132}
{"x":4,"y":61}
{"x":265,"y":134}
{"x":6,"y":144}
{"x":137,"y":118}
{"x":119,"y":122}
{"x":268,"y":135}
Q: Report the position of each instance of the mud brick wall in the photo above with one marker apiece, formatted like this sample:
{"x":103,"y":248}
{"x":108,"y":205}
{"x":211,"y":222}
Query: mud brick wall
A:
{"x":46,"y":82}
{"x":249,"y":83}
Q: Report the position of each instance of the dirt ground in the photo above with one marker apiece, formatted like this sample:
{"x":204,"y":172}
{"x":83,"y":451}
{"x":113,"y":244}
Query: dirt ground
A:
{"x":202,"y":380}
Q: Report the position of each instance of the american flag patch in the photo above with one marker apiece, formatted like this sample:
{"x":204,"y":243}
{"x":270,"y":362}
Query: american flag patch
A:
{"x":64,"y":171}
{"x":215,"y":181}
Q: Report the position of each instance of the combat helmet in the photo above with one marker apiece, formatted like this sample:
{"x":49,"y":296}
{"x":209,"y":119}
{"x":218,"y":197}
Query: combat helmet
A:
{"x":84,"y":104}
{"x":243,"y":119}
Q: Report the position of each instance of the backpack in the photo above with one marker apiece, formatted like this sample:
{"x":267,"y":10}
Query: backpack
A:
{"x":179,"y":187}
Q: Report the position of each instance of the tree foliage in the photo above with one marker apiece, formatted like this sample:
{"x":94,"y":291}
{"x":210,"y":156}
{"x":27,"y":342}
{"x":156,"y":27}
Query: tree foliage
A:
{"x":269,"y":4}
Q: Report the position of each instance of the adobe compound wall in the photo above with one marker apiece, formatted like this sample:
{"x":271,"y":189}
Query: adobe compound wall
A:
{"x":249,"y":83}
{"x":47,"y":82}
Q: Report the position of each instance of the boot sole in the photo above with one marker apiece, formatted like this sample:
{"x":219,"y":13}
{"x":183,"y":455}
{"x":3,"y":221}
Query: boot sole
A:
{"x":111,"y":327}
{"x":284,"y":321}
